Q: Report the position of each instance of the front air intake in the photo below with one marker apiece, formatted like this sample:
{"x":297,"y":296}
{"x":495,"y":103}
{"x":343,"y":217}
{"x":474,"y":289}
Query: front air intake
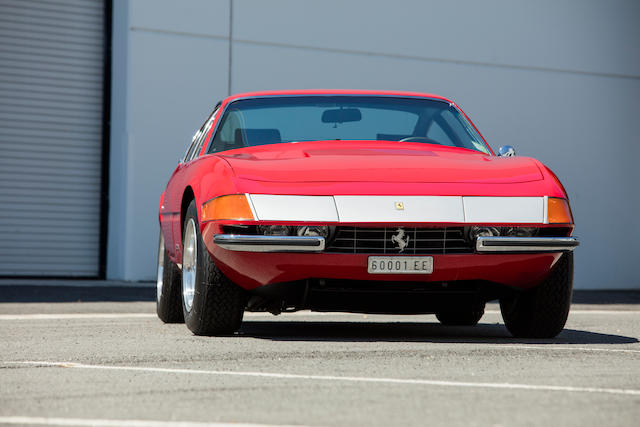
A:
{"x":400,"y":240}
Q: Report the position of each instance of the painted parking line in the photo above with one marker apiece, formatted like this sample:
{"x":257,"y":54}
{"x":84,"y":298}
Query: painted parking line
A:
{"x":48,"y":421}
{"x":584,"y":312}
{"x":75,"y":316}
{"x":551,"y":347}
{"x":284,"y":376}
{"x":80,"y":316}
{"x":303,"y":313}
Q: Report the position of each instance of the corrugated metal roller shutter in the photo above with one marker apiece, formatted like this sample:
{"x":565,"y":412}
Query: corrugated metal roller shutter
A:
{"x":51,"y":83}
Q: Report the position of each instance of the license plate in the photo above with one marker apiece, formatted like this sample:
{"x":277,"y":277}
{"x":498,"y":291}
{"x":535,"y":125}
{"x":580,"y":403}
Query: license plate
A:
{"x":400,"y":265}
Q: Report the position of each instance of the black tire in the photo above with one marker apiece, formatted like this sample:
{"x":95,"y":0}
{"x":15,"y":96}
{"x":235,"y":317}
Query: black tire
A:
{"x":541,"y":312}
{"x":218,"y":303}
{"x":462,"y":316}
{"x":168,"y":287}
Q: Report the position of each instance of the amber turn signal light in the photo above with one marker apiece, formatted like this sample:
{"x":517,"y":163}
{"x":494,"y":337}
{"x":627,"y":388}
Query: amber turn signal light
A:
{"x":231,"y":207}
{"x":559,"y":211}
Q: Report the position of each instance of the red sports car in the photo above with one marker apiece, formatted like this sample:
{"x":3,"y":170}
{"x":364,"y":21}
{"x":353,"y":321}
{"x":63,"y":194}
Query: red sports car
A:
{"x":360,"y":201}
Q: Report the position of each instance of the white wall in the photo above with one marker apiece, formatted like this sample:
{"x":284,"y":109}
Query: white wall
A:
{"x":559,"y":80}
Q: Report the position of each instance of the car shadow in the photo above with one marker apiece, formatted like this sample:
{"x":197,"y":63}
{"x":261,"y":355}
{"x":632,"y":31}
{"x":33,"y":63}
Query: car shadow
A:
{"x":483,"y":333}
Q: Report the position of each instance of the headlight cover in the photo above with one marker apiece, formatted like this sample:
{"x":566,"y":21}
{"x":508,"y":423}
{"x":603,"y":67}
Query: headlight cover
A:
{"x":274,"y":230}
{"x":313,"y":230}
{"x":480,"y":231}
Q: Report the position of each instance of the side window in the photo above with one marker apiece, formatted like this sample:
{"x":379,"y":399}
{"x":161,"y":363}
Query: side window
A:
{"x":199,"y":138}
{"x":203,"y":138}
{"x":225,"y":137}
{"x":194,"y":139}
{"x":198,"y":145}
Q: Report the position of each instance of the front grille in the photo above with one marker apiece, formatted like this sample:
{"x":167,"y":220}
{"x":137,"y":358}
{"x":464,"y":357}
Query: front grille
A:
{"x":357,"y":240}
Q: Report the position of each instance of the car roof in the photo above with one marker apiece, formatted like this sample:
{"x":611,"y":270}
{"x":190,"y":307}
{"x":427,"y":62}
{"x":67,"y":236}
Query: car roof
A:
{"x":268,"y":93}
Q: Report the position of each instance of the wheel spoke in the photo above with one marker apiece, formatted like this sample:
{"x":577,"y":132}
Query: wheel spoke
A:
{"x":189,"y":264}
{"x":160,"y":278}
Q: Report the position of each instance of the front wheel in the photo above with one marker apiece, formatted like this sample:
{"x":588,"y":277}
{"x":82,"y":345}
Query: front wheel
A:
{"x":541,"y":312}
{"x":212,"y":304}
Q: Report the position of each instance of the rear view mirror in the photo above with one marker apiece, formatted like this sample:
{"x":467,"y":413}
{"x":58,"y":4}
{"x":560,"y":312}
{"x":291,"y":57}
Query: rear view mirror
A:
{"x":341,"y":115}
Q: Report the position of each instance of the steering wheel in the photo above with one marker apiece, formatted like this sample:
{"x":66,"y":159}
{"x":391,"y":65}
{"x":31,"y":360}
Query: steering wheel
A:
{"x":422,"y":139}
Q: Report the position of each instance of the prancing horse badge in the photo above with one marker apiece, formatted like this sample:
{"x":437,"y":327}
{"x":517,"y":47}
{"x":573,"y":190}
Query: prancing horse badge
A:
{"x":401,"y":239}
{"x":399,"y":206}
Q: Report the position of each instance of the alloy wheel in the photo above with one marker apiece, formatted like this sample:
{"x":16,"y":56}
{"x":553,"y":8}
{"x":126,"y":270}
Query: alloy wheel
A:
{"x":189,"y":264}
{"x":160,"y":278}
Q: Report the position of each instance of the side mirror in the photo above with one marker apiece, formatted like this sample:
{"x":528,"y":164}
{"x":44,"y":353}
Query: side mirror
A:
{"x":506,"y":151}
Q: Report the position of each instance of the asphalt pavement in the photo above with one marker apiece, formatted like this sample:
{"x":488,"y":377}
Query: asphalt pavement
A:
{"x":110,"y":362}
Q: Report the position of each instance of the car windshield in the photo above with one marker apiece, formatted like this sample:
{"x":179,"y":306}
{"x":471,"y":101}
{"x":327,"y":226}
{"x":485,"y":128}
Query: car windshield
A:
{"x":273,"y":120}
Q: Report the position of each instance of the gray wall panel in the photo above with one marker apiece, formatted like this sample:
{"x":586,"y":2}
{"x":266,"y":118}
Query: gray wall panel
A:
{"x":577,"y":35}
{"x":209,"y":18}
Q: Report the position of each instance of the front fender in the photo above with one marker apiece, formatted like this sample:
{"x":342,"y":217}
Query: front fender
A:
{"x":214,"y":178}
{"x":206,"y":177}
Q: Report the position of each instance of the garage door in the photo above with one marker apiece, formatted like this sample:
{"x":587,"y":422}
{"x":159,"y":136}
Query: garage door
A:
{"x":51,"y":93}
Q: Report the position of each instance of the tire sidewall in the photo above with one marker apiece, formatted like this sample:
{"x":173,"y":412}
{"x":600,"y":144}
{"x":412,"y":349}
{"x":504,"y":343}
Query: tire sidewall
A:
{"x":168,"y":305}
{"x":162,"y":263}
{"x":193,"y":317}
{"x":541,"y":312}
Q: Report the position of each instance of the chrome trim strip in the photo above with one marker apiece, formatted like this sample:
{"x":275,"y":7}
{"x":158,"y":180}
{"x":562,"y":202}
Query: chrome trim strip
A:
{"x":257,"y":243}
{"x":526,"y":244}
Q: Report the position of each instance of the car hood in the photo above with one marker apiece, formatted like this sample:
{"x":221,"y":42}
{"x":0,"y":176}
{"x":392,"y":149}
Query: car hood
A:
{"x":376,"y":161}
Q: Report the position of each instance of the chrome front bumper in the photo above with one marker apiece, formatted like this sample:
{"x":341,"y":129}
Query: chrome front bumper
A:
{"x":526,"y":244}
{"x":259,"y":243}
{"x":256,"y":243}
